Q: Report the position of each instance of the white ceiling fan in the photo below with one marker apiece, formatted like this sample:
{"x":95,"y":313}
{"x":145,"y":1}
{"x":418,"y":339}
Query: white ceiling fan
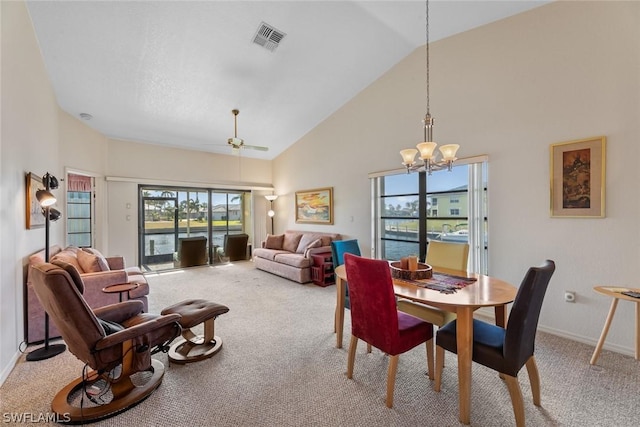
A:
{"x":238,"y":143}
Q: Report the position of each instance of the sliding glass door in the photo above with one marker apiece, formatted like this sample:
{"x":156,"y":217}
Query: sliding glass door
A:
{"x":172,"y":214}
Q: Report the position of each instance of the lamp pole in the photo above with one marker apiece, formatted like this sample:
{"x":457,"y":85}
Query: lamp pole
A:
{"x":271,"y":212}
{"x":47,"y":351}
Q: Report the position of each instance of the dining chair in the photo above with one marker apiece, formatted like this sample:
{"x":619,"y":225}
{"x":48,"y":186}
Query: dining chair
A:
{"x":452,"y":256}
{"x":376,"y":320}
{"x":506,"y":350}
{"x":338,"y":249}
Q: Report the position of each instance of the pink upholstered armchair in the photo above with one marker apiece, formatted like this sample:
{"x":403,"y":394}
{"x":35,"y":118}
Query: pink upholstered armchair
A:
{"x":97,"y":272}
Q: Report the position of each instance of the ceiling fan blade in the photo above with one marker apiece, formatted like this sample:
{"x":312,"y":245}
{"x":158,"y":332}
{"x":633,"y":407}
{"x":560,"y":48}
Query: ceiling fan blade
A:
{"x":255,"y":147}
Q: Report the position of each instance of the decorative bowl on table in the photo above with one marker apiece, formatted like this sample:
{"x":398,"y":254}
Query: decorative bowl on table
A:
{"x":424,"y":271}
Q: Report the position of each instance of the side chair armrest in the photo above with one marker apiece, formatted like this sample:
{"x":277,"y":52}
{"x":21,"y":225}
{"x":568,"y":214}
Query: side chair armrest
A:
{"x":102,"y":279}
{"x":320,"y":250}
{"x":120,"y":311}
{"x":136,"y":331}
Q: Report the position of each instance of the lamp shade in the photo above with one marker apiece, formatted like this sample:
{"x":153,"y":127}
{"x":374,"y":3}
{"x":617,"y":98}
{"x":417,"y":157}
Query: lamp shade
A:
{"x":271,"y":197}
{"x":426,"y":149}
{"x":271,"y":213}
{"x":408,"y":155}
{"x":45,"y":198}
{"x":53,"y":181}
{"x":449,"y":152}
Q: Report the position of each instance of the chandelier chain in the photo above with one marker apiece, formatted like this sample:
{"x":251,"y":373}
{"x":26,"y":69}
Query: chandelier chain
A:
{"x":427,"y":53}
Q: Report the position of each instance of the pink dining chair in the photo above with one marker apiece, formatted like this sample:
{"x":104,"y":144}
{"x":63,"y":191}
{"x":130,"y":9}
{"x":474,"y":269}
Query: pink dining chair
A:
{"x":376,"y":320}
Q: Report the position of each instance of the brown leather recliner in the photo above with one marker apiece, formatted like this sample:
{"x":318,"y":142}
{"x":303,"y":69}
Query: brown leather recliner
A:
{"x":115,"y":357}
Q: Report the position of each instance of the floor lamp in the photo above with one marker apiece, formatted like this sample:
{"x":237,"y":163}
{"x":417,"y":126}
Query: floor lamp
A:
{"x":271,"y":212}
{"x":46,"y":199}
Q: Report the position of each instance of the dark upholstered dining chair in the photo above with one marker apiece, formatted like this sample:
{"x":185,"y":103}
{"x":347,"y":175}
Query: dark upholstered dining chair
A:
{"x":507,"y":350}
{"x":376,"y":320}
{"x":116,"y":340}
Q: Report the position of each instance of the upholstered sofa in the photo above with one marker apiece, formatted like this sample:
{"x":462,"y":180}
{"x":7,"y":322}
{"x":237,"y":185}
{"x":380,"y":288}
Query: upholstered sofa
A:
{"x":289,"y":255}
{"x":96,"y":271}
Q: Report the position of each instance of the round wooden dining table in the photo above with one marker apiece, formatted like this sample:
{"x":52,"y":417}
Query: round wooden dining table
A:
{"x":486,"y":291}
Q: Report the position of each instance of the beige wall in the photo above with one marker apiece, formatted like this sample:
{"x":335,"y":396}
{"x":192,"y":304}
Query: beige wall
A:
{"x":564,"y":71}
{"x":29,"y":143}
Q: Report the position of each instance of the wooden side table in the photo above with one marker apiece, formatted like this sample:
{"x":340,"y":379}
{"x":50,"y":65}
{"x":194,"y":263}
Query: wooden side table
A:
{"x":120,"y":289}
{"x":322,"y":269}
{"x":616,"y":294}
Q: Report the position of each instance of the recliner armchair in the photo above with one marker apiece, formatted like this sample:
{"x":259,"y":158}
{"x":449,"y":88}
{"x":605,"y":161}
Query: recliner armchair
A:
{"x":115,"y":356}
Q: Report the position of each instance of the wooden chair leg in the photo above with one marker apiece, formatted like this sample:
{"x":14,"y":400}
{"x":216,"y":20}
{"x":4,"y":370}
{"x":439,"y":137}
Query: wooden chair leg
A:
{"x":353,"y":344}
{"x":534,"y":379}
{"x":516,"y":399}
{"x":439,"y":367}
{"x":391,"y":379}
{"x":430,"y":344}
{"x":368,"y":348}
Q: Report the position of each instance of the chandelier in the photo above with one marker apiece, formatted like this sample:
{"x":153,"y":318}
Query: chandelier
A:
{"x":426,"y":149}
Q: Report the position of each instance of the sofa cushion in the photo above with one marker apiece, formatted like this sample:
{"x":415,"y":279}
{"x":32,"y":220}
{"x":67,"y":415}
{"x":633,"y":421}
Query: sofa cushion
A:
{"x":294,"y":260}
{"x":291,"y":241}
{"x":104,"y":264}
{"x":274,"y":242}
{"x":269,"y":254}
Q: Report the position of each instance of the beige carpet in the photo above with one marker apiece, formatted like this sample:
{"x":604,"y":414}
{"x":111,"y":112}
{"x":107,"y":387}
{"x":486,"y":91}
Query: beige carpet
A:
{"x":279,"y":367}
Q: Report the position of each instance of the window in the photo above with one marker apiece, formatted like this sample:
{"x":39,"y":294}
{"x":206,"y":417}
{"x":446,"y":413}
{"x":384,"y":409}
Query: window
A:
{"x":407,"y":209}
{"x":79,"y":210}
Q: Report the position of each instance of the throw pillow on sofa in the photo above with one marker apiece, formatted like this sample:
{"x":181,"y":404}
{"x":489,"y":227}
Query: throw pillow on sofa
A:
{"x":104,"y":265}
{"x":291,"y":241}
{"x":274,"y":242}
{"x":89,"y":263}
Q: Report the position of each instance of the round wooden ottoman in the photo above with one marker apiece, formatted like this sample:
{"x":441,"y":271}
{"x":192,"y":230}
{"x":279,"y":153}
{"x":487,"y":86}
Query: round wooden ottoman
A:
{"x":196,"y":347}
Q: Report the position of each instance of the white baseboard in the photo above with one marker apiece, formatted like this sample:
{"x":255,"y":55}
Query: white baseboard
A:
{"x":7,"y":369}
{"x":488,"y":314}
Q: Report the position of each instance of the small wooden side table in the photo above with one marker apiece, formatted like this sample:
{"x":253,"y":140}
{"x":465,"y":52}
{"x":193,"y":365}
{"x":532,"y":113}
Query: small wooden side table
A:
{"x":616,"y":294}
{"x":120,"y":289}
{"x":322,"y":269}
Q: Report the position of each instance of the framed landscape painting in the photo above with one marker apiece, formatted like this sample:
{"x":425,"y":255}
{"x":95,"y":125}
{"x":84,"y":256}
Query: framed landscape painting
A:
{"x":578,"y":178}
{"x":34,"y":216}
{"x":315,"y":206}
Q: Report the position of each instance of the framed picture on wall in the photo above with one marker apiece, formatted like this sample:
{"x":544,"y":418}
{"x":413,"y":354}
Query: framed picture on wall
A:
{"x":34,"y":216}
{"x":315,"y":206}
{"x":578,"y":178}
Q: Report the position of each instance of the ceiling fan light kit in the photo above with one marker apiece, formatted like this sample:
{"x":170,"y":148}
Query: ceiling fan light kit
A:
{"x":237,"y":143}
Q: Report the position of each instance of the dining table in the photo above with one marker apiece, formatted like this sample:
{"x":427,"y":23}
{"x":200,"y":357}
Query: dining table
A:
{"x":484,"y":291}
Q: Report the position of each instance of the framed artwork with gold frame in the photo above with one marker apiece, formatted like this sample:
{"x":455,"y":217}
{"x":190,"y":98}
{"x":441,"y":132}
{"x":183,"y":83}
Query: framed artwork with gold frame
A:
{"x":577,"y":172}
{"x":34,"y":216}
{"x":314,"y":206}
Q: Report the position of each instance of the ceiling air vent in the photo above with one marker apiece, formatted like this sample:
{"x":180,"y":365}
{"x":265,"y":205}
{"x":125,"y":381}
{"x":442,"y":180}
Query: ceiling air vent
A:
{"x":268,"y":37}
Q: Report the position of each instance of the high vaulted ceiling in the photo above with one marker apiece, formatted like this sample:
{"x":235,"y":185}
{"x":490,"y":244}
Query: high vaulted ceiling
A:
{"x":170,"y":72}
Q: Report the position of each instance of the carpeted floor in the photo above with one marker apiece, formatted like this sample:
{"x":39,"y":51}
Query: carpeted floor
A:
{"x":279,"y":367}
